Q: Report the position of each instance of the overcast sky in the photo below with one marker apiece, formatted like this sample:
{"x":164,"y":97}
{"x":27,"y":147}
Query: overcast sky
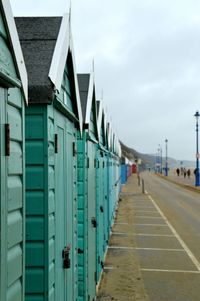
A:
{"x":147,"y":63}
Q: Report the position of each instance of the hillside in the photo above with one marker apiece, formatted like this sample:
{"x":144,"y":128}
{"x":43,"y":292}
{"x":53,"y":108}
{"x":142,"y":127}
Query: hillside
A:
{"x":148,"y":160}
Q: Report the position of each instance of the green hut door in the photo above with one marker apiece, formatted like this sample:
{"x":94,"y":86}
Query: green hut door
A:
{"x":72,"y":276}
{"x":60,"y":169}
{"x":91,"y":222}
{"x":65,"y":171}
{"x":3,"y":220}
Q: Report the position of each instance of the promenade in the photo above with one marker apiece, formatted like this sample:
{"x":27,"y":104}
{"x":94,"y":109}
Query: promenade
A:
{"x":121,"y":279}
{"x":146,"y":260}
{"x":180,"y":180}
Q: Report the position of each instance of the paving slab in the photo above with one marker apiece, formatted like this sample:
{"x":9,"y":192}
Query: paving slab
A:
{"x":162,"y":242}
{"x":172,"y":286}
{"x":165,"y":260}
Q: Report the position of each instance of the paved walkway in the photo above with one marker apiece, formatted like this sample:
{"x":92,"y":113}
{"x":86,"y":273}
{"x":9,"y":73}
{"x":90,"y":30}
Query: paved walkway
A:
{"x":187,"y":182}
{"x":121,"y":279}
{"x":133,"y":244}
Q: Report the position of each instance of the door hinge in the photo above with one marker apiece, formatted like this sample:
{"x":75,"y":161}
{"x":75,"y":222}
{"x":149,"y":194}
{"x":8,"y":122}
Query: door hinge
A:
{"x":96,"y":163}
{"x":56,"y":143}
{"x":88,"y":162}
{"x":7,"y":139}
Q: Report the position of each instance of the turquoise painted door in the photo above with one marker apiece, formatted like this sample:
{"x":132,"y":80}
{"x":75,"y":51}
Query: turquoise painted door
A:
{"x":72,"y":273}
{"x":98,"y":197}
{"x":91,"y":222}
{"x":105,"y":186}
{"x":61,"y":208}
{"x":100,"y":215}
{"x":3,"y":220}
{"x":66,"y":229}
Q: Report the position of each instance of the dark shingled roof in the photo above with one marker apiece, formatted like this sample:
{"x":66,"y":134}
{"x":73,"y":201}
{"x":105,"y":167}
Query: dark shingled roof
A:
{"x":98,"y":107}
{"x":38,"y":36}
{"x":83,"y":82}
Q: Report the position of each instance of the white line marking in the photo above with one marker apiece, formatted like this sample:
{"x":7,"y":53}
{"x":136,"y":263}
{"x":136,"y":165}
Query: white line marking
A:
{"x":143,"y":207}
{"x":119,"y":233}
{"x":156,"y":235}
{"x":148,"y":249}
{"x":121,"y":223}
{"x":187,"y":250}
{"x":160,"y":225}
{"x":141,"y":216}
{"x":146,"y":211}
{"x":123,"y":248}
{"x":160,"y":249}
{"x":170,"y":271}
{"x":109,"y":268}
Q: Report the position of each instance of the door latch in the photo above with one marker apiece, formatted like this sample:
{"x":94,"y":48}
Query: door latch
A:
{"x":94,"y":222}
{"x":65,"y":256}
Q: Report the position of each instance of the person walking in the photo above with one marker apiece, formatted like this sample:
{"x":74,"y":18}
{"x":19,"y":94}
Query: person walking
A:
{"x":188,"y":173}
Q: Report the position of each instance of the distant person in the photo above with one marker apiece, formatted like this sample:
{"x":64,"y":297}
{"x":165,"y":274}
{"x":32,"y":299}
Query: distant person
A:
{"x":178,"y":172}
{"x":184,"y":173}
{"x":182,"y":170}
{"x":188,"y":173}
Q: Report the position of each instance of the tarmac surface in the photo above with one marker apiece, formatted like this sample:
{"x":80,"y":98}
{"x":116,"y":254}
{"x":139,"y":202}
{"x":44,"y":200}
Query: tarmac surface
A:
{"x":154,"y":248}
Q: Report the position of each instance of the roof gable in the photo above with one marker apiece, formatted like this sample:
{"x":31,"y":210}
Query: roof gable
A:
{"x":101,"y":123}
{"x":16,"y":47}
{"x":47,"y":45}
{"x":88,"y":101}
{"x":83,"y":82}
{"x":38,"y":37}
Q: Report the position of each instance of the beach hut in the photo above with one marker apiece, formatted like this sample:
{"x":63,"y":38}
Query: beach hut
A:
{"x":123,"y":170}
{"x":101,"y":191}
{"x":87,"y":164}
{"x":52,"y":121}
{"x":13,"y":94}
{"x":110,"y":171}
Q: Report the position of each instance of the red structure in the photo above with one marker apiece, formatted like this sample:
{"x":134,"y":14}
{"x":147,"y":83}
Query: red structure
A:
{"x":134,"y":168}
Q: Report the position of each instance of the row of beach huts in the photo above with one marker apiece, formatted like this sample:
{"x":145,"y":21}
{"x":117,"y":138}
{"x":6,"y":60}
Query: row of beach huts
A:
{"x":60,"y":165}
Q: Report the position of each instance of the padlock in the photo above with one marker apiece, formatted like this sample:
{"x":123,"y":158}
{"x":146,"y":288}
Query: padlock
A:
{"x":65,"y":256}
{"x":94,"y":222}
{"x":66,"y":263}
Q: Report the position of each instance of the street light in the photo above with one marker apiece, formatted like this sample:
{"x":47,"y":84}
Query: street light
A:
{"x":197,"y":152}
{"x":166,"y":160}
{"x":160,"y":158}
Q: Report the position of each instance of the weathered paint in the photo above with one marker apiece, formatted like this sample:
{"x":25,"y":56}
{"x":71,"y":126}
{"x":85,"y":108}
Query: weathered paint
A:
{"x":12,"y":173}
{"x":82,"y":216}
{"x":87,"y":220}
{"x":51,"y":199}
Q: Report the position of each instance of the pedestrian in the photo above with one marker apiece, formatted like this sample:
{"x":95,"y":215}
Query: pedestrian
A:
{"x":184,"y":173}
{"x":188,"y":173}
{"x":178,"y":172}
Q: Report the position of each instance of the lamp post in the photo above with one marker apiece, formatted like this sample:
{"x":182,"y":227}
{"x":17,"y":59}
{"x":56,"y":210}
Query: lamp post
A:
{"x":158,"y":161}
{"x":197,"y":150}
{"x":166,"y":159}
{"x":160,"y":158}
